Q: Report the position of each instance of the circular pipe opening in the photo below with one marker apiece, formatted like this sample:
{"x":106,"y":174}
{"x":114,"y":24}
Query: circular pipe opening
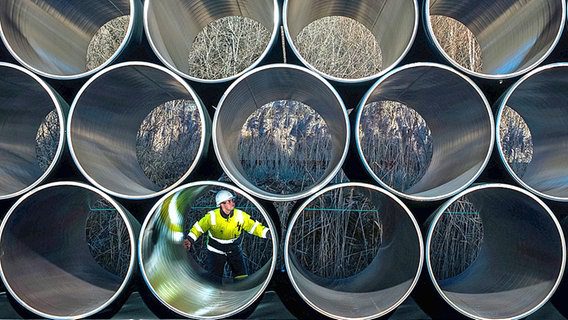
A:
{"x":222,"y":38}
{"x":511,"y":37}
{"x":391,"y":24}
{"x":178,"y":279}
{"x":54,"y":274}
{"x":343,"y":251}
{"x":520,"y":260}
{"x":60,"y":40}
{"x":27,"y":155}
{"x":106,"y":119}
{"x":538,"y":99}
{"x":266,"y":85}
{"x":450,"y":131}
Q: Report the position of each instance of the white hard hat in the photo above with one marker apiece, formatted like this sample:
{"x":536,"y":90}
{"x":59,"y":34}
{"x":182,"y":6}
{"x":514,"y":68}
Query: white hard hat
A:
{"x":223,"y":196}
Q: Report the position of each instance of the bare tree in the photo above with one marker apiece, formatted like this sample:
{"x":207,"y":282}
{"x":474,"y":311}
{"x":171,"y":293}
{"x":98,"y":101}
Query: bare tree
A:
{"x":168,"y":141}
{"x":106,"y":41}
{"x":341,"y":47}
{"x":107,"y":237}
{"x":516,"y":141}
{"x":226,"y":47}
{"x":284,"y":147}
{"x":396,"y":142}
{"x":47,"y":140}
{"x":338,"y":234}
{"x":456,"y":240}
{"x":458,"y":42}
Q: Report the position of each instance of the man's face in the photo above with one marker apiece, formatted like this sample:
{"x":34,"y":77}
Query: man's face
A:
{"x":228,"y":205}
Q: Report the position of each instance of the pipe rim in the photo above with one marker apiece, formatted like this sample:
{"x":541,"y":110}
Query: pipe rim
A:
{"x":199,"y":106}
{"x":131,"y":234}
{"x":440,"y":211}
{"x":501,"y":104}
{"x":358,"y":137}
{"x":268,"y":195}
{"x":351,"y":80}
{"x":134,"y":15}
{"x":238,"y":191}
{"x":295,"y":216}
{"x":271,"y":43}
{"x":61,"y":117}
{"x":430,"y":35}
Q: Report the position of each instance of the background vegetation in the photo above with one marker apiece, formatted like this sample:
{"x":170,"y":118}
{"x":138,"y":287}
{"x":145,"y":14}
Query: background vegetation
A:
{"x":285,"y":146}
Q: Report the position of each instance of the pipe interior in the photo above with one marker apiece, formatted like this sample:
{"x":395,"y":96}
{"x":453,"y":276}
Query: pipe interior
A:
{"x":177,"y":279}
{"x":53,"y":36}
{"x":24,"y":104}
{"x":46,"y":260}
{"x":519,"y":262}
{"x":540,"y":101}
{"x":105,"y":121}
{"x":514,"y":35}
{"x":383,"y":284}
{"x":268,"y":85}
{"x":392,"y":22}
{"x":173,"y":25}
{"x":459,"y":120}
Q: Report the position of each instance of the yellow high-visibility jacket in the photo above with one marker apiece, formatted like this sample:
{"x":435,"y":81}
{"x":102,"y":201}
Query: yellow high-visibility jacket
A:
{"x":225,"y":231}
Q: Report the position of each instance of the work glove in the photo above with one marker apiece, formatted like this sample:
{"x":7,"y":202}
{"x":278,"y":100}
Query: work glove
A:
{"x":186,"y":244}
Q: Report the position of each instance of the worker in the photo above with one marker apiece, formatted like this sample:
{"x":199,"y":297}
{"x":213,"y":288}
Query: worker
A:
{"x":223,"y":226}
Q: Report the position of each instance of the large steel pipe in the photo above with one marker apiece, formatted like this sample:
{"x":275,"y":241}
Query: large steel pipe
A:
{"x":458,"y":116}
{"x":46,"y":263}
{"x":262,"y":86}
{"x":514,"y":36}
{"x":177,"y":280}
{"x":521,"y":257}
{"x":52,"y":37}
{"x":385,"y":282}
{"x":172,"y":27}
{"x":25,"y":102}
{"x":393,"y":23}
{"x":106,"y":116}
{"x":539,"y":98}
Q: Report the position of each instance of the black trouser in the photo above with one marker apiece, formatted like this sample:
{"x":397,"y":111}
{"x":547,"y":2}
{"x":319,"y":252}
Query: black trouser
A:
{"x":216,"y":262}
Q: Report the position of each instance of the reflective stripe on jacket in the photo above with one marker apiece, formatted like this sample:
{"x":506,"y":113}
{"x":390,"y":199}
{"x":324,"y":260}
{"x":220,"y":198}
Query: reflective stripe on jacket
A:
{"x":226,"y":231}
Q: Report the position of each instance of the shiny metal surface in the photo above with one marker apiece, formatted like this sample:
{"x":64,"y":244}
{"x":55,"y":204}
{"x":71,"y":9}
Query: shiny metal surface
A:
{"x":25,"y":101}
{"x":171,"y":27}
{"x":458,"y":116}
{"x":514,"y":35}
{"x":521,"y":259}
{"x":178,"y":281}
{"x":385,"y":283}
{"x":106,"y":116}
{"x":394,"y":24}
{"x":51,"y":37}
{"x":46,"y":264}
{"x":267,"y":84}
{"x":540,"y":99}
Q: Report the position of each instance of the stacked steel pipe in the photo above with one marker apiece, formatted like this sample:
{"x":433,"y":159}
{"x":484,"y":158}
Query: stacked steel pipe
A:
{"x":49,"y":270}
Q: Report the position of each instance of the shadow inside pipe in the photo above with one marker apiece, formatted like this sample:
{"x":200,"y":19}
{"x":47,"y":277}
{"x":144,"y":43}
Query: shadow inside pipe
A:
{"x":31,"y":133}
{"x":212,"y":41}
{"x":66,"y":41}
{"x":343,"y":252}
{"x":47,"y":260}
{"x":450,"y":134}
{"x":179,"y":279}
{"x":497,"y":40}
{"x":532,"y":146}
{"x":518,"y":263}
{"x":137,"y":129}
